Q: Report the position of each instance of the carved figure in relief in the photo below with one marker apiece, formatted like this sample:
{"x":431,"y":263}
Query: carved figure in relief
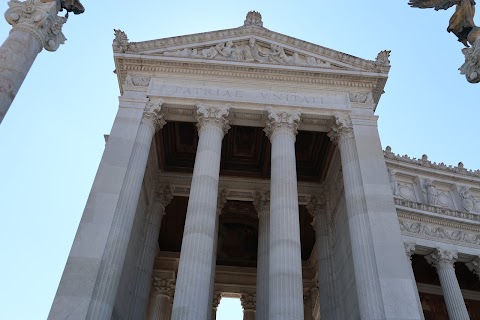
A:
{"x":393,"y":181}
{"x":468,"y":201}
{"x":249,"y":53}
{"x":430,"y":192}
{"x":70,"y":5}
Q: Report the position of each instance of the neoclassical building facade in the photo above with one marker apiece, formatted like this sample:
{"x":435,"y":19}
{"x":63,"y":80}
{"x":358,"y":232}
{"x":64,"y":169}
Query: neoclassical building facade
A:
{"x":246,"y":163}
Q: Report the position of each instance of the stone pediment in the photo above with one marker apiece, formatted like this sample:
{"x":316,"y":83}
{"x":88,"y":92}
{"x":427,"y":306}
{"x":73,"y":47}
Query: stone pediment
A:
{"x":249,"y":44}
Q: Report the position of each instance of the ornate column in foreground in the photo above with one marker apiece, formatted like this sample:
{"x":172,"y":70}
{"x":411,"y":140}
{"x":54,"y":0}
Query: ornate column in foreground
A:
{"x":248,"y":305}
{"x":285,"y":262}
{"x":110,"y":271}
{"x":262,"y":205}
{"x":410,"y":250}
{"x":156,"y":211}
{"x":160,"y":304}
{"x":317,"y":208}
{"x":35,"y":25}
{"x":192,"y":299}
{"x":443,"y":261}
{"x":366,"y":274}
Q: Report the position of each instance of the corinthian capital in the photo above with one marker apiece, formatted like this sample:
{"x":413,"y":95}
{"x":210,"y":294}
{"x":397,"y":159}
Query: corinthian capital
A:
{"x":163,"y":194}
{"x":215,"y":116}
{"x":38,"y":18}
{"x":342,"y":129}
{"x":152,"y":115}
{"x":442,"y":258}
{"x":261,"y":202}
{"x":409,"y":249}
{"x":474,"y":266}
{"x":316,"y":206}
{"x":248,"y":301}
{"x":281,"y":121}
{"x":164,"y":287}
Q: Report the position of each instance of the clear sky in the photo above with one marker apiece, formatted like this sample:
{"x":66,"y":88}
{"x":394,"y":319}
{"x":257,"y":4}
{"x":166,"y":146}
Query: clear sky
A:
{"x":51,"y":140}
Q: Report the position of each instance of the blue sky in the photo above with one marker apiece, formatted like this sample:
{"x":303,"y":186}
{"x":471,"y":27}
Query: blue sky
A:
{"x":51,"y":140}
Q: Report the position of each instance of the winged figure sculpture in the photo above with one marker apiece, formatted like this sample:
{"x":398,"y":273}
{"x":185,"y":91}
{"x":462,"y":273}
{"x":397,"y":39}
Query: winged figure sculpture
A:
{"x":461,"y":22}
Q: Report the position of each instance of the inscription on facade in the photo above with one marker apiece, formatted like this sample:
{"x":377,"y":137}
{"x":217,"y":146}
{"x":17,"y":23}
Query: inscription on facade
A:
{"x":332,"y":101}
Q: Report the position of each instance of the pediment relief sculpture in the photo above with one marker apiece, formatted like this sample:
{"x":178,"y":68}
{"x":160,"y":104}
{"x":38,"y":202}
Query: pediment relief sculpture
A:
{"x":253,"y":51}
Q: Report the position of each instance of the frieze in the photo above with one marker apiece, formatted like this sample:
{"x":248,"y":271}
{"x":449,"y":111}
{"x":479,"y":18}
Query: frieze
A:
{"x":421,"y":229}
{"x":248,"y":116}
{"x":137,"y":81}
{"x":316,"y":122}
{"x":181,"y":111}
{"x":437,"y":220}
{"x":361,"y":97}
{"x":424,"y":162}
{"x":438,"y":210}
{"x":251,"y":52}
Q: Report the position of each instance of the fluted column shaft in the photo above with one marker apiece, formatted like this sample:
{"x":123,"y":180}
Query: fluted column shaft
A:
{"x":363,"y":254}
{"x":325,"y":271}
{"x":248,"y":305}
{"x":410,"y":250}
{"x":146,"y":260}
{"x":443,"y":261}
{"x":105,"y":290}
{"x":285,"y":263}
{"x":192,"y":299}
{"x":158,"y":308}
{"x":220,"y":203}
{"x":34,"y":26}
{"x":262,"y":204}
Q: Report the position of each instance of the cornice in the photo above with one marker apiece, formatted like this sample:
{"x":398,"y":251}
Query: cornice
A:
{"x":445,"y":212}
{"x":439,"y":221}
{"x":432,"y":168}
{"x":245,"y":31}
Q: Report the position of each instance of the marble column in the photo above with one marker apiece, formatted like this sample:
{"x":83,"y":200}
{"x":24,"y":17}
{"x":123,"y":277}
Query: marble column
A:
{"x":35,"y":25}
{"x":221,"y":200}
{"x":192,"y":299}
{"x":262,"y":205}
{"x":285,"y":262}
{"x":474,"y":266}
{"x":160,"y":303}
{"x":366,"y":275}
{"x":156,"y":211}
{"x":410,"y":250}
{"x":217,"y":296}
{"x":110,"y":270}
{"x":443,"y":261}
{"x":248,"y":305}
{"x":325,"y":271}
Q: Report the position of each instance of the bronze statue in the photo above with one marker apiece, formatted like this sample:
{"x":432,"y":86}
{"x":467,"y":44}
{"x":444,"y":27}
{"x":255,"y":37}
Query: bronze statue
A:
{"x":461,"y":22}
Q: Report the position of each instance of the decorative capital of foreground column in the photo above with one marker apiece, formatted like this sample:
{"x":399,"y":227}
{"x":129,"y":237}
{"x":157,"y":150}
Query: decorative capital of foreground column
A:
{"x":153,"y":116}
{"x":471,"y":67}
{"x":248,"y":301}
{"x":215,"y":116}
{"x":39,"y":18}
{"x":474,"y":266}
{"x":163,"y":194}
{"x":165,"y":287}
{"x":341,"y":130}
{"x":441,"y":258}
{"x":410,"y":249}
{"x":282,"y":121}
{"x":261,"y":202}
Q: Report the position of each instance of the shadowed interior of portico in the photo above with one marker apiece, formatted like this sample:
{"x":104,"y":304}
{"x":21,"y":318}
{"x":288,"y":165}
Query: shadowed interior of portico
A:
{"x":237,"y":234}
{"x":245,"y":151}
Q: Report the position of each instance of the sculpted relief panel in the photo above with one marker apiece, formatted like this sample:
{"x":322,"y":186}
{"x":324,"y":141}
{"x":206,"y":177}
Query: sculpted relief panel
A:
{"x":251,"y":52}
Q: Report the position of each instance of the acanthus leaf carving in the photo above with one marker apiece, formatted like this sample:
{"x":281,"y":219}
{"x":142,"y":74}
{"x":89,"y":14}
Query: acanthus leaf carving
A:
{"x":38,"y":18}
{"x":251,"y":52}
{"x":471,"y":67}
{"x":213,"y":115}
{"x":137,"y":81}
{"x":120,"y":42}
{"x":281,"y":120}
{"x":442,"y":258}
{"x":261,"y":202}
{"x":474,"y":266}
{"x":342,"y":129}
{"x":248,"y":301}
{"x":163,"y":194}
{"x":152,"y":115}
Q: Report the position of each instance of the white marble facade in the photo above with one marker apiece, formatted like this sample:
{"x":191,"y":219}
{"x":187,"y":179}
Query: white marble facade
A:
{"x":251,"y":76}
